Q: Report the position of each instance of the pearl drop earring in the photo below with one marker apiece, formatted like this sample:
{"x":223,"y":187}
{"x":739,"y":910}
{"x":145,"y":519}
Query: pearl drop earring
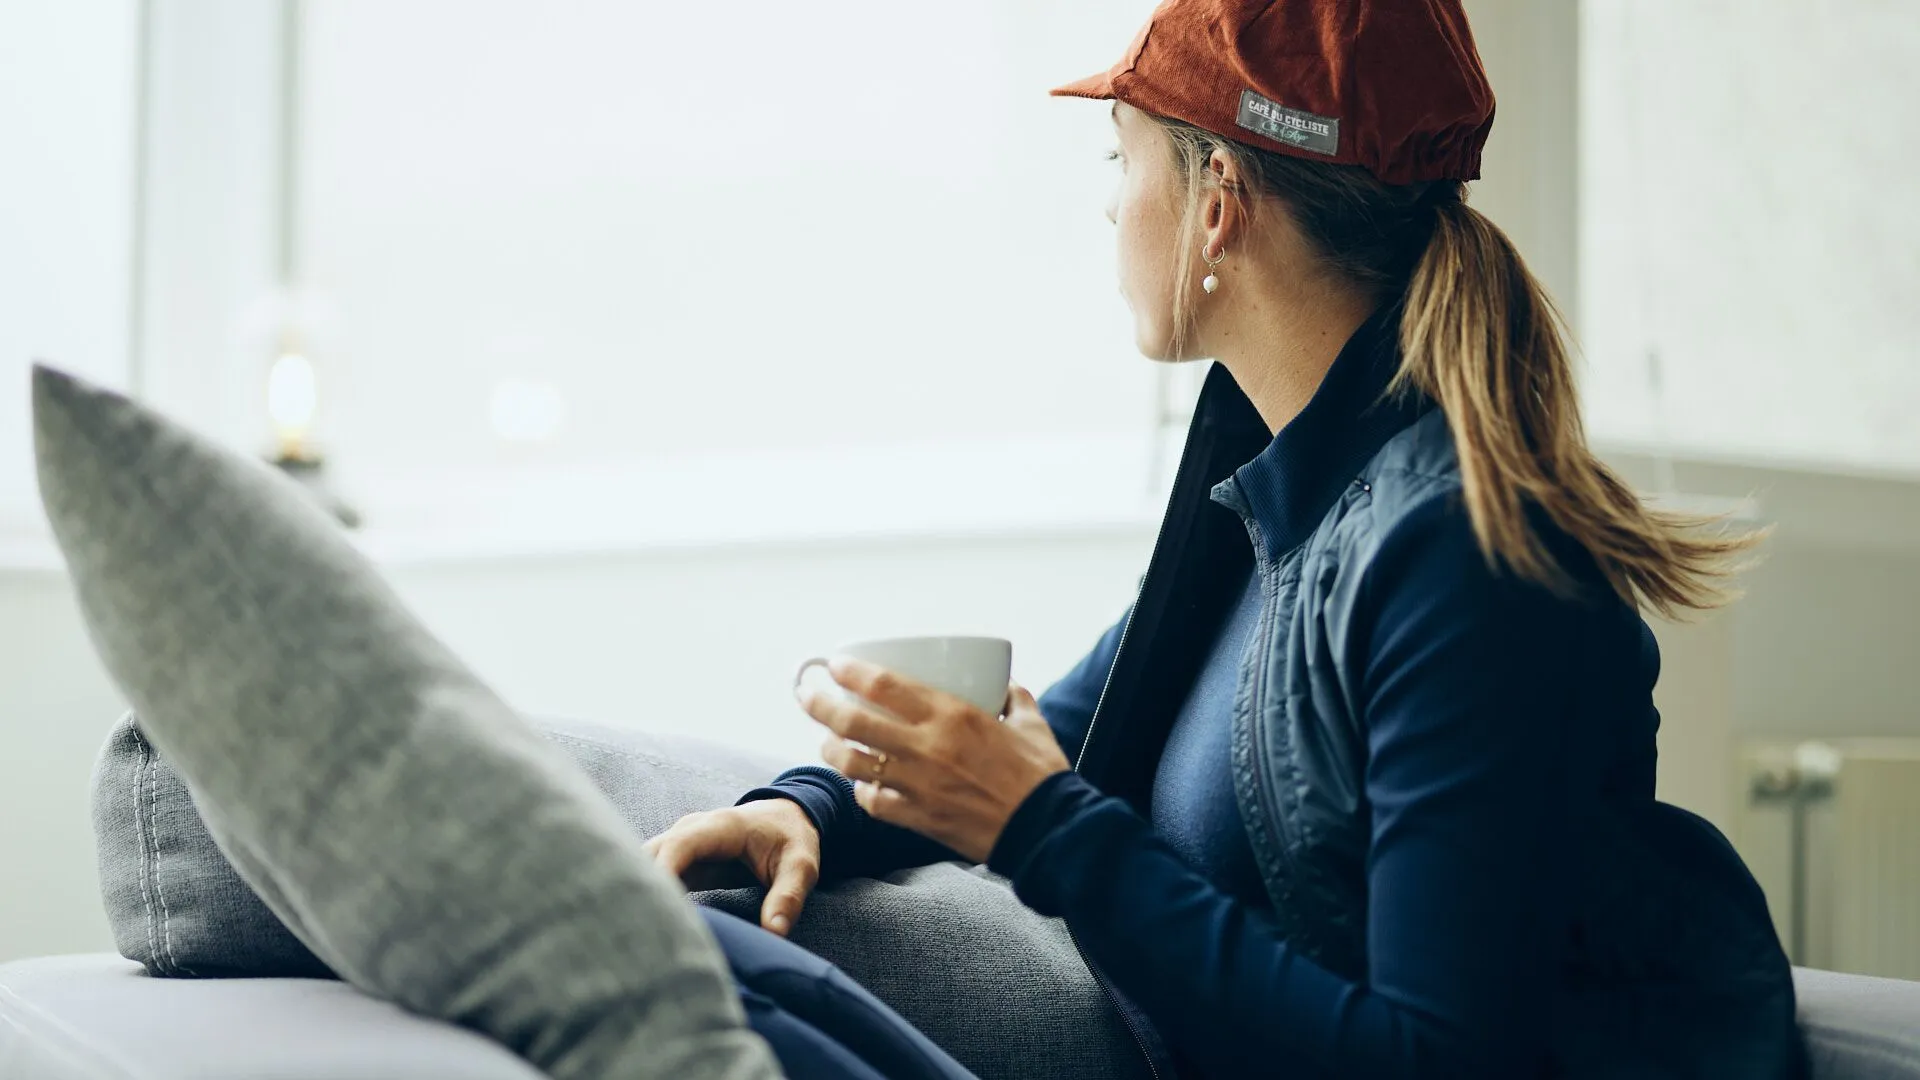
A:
{"x":1211,"y":281}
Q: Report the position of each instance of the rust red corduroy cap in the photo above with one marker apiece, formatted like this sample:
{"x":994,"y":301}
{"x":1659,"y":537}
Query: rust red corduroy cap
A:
{"x":1394,"y":86}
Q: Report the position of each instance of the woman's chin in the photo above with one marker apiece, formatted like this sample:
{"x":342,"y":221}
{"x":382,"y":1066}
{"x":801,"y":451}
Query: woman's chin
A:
{"x":1153,"y":343}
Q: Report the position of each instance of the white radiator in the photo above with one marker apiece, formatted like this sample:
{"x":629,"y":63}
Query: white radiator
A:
{"x":1832,"y":830}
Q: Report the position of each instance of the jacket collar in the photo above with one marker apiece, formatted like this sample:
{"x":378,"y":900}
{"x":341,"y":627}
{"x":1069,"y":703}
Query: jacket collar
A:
{"x":1288,"y":487}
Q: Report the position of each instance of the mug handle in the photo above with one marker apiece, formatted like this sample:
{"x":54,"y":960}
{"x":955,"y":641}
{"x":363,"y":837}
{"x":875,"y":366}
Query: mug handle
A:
{"x":801,"y":673}
{"x":806,"y":665}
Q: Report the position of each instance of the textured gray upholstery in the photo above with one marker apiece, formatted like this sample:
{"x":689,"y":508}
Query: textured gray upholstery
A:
{"x":102,"y":1018}
{"x":177,"y":905}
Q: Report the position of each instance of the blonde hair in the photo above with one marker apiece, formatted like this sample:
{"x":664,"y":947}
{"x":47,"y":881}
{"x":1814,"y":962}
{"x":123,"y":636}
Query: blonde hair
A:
{"x":1483,"y":340}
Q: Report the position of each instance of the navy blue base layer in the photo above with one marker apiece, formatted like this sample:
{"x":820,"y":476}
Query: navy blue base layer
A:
{"x":821,"y":1024}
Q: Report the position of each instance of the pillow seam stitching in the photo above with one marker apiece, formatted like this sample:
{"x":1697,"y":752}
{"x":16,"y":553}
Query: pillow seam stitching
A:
{"x":147,"y":860}
{"x":166,"y":914}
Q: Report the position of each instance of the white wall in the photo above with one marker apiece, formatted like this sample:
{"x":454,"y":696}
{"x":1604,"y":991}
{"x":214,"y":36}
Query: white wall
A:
{"x":56,"y":705}
{"x":845,"y":237}
{"x":705,"y":642}
{"x":207,"y":263}
{"x":1529,"y":181}
{"x":66,"y":207}
{"x":1746,"y":169}
{"x":620,"y":224}
{"x":1832,"y":644}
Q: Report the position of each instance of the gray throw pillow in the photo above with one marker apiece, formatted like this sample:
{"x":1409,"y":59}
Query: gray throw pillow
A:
{"x":419,"y":838}
{"x":177,"y":906}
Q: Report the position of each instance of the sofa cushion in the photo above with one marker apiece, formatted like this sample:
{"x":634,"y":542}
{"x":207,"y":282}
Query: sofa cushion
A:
{"x":390,"y":808}
{"x":177,"y":907}
{"x":102,"y":1018}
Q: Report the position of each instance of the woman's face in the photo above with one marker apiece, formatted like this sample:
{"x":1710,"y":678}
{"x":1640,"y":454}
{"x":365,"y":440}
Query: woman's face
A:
{"x":1146,"y":211}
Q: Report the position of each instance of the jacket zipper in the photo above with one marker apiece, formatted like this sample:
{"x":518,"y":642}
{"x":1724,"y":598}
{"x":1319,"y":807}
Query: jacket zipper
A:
{"x":1113,"y":999}
{"x":1094,"y":720}
{"x":1269,"y":571}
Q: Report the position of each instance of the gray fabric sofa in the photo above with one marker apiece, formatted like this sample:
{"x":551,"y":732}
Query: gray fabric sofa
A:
{"x":101,"y":1018}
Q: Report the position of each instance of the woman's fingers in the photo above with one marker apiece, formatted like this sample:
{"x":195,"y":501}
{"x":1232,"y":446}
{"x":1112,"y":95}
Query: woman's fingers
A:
{"x":795,"y":873}
{"x":1023,"y":711}
{"x":851,"y":718}
{"x":1020,"y":701}
{"x":870,"y":764}
{"x":885,"y":804}
{"x":912,"y":701}
{"x":965,"y":778}
{"x":672,"y":856}
{"x":696,"y":838}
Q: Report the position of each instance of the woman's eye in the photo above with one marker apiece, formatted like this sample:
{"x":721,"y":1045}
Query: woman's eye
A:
{"x":1113,"y":155}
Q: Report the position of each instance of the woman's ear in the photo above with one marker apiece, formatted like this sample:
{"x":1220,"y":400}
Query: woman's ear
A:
{"x":1224,"y":216}
{"x":1225,"y":170}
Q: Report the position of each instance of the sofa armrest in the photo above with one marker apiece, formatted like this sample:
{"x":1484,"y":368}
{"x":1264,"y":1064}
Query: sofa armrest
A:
{"x":1858,"y":1027}
{"x":100,"y":1017}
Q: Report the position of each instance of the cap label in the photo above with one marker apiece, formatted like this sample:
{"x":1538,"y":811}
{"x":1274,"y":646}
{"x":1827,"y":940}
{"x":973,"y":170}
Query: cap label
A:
{"x":1320,"y":134}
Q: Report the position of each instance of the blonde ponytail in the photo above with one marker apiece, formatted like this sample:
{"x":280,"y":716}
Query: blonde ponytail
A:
{"x":1482,"y":339}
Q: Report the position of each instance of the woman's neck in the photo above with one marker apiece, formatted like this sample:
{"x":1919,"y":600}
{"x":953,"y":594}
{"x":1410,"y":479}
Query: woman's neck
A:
{"x":1279,"y":351}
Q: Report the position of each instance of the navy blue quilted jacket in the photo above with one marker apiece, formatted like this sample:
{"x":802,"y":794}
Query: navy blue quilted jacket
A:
{"x":1446,"y":776}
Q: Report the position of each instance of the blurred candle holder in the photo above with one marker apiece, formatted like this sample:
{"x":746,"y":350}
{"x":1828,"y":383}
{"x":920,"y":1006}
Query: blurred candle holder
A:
{"x":293,"y":400}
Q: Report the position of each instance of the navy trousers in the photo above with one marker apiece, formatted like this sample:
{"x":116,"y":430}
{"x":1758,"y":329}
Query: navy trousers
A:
{"x":821,"y":1024}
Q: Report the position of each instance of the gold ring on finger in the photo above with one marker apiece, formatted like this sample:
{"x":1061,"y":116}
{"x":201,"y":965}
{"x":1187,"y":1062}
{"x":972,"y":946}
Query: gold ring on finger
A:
{"x":879,"y":764}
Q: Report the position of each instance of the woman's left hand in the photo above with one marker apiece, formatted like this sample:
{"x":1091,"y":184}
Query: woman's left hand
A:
{"x":934,"y":763}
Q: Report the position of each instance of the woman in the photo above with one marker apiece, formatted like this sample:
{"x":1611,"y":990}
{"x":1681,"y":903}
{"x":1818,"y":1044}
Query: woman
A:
{"x":1363,"y":784}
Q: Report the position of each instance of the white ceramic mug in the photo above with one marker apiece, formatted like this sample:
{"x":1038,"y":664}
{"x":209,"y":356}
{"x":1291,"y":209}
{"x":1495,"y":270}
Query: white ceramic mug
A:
{"x":974,"y":669}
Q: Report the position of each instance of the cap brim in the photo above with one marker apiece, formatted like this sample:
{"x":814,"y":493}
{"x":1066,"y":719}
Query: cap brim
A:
{"x":1093,"y":86}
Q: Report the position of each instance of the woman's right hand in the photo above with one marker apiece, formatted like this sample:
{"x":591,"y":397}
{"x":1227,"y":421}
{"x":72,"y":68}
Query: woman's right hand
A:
{"x":772,"y":838}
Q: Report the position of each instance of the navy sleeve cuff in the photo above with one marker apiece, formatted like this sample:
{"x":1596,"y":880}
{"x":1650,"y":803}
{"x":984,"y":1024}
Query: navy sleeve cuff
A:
{"x":825,"y":795}
{"x":852,"y":844}
{"x":1020,"y":854}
